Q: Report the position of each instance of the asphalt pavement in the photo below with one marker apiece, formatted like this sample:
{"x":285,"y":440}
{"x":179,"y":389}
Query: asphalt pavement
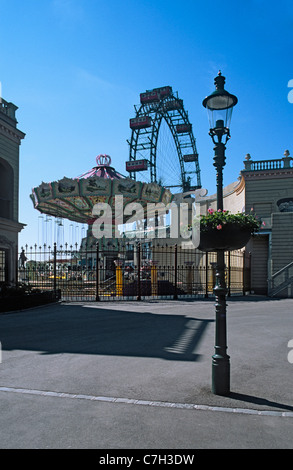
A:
{"x":137,"y":375}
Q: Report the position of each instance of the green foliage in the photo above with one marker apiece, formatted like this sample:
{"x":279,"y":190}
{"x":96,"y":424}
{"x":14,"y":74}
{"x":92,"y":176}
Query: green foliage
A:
{"x":223,"y":219}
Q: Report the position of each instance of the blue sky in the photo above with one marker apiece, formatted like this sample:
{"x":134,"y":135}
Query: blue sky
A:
{"x":75,"y":69}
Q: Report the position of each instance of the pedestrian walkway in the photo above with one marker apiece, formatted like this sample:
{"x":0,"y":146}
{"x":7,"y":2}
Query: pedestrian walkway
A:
{"x":137,"y":375}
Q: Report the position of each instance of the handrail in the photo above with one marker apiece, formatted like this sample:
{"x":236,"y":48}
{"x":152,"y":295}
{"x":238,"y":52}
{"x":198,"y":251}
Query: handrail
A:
{"x":285,"y":281}
{"x":282,"y":269}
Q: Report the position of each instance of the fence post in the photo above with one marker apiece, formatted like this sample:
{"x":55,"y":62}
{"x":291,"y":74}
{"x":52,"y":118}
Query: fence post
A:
{"x":138,"y":273}
{"x":207,"y":275}
{"x":97,"y":272}
{"x":249,"y":272}
{"x":243,"y":273}
{"x":119,"y":278}
{"x":176,"y":272}
{"x":154,"y":280}
{"x":229,"y":274}
{"x":55,"y":268}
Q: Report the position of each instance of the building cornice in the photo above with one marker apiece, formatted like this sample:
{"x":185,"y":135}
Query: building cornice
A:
{"x":11,"y":132}
{"x":267,"y":174}
{"x":241,"y":186}
{"x":11,"y":225}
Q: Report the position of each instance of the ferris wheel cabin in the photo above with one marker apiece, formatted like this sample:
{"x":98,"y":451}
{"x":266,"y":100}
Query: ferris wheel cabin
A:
{"x":173,"y":105}
{"x":140,"y":122}
{"x":136,"y":165}
{"x":155,"y":95}
{"x":181,"y":128}
{"x":192,"y":157}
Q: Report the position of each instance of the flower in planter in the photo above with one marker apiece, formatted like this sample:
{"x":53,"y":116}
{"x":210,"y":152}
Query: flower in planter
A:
{"x":223,"y":231}
{"x":222,"y":219}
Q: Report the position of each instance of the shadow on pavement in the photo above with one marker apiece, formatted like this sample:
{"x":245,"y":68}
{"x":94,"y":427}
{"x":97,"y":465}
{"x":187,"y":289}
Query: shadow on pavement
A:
{"x":77,"y":330}
{"x":259,"y":401}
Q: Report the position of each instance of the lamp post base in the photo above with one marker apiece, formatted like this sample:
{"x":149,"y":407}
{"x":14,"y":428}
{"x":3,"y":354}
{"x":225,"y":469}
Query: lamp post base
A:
{"x":220,"y":375}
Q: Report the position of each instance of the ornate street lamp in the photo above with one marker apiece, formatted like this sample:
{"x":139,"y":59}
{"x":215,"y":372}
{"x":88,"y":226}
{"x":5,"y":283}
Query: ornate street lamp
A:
{"x":219,"y":106}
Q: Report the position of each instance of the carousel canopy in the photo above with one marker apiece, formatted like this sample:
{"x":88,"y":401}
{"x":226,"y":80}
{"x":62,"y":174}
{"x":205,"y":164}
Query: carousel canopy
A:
{"x":74,"y":198}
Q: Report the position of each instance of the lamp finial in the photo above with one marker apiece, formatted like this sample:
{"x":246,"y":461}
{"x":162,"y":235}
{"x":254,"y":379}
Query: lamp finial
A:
{"x":220,"y":81}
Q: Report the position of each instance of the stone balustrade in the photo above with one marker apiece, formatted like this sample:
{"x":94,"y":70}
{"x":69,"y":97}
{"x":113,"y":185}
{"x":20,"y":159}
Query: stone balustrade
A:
{"x":274,"y":164}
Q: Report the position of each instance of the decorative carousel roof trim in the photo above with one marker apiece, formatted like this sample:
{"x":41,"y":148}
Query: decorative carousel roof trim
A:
{"x":74,"y":198}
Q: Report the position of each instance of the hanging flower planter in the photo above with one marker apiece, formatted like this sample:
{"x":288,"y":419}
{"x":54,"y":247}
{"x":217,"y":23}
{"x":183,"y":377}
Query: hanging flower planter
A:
{"x":230,"y":238}
{"x":221,"y":230}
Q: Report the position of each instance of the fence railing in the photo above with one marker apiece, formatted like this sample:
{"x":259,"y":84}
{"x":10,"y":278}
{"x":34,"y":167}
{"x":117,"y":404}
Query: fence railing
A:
{"x":129,"y":271}
{"x":274,"y":164}
{"x":282,"y":280}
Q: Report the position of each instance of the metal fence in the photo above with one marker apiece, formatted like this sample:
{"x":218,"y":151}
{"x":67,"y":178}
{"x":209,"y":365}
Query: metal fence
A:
{"x":129,"y":271}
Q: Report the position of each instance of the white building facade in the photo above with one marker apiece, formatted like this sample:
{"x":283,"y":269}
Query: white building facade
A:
{"x":10,"y":140}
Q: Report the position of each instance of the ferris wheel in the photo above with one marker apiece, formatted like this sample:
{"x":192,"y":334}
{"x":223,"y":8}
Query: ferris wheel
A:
{"x":162,"y":147}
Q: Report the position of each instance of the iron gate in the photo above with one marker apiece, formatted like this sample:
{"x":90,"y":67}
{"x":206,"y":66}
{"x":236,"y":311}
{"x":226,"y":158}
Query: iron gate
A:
{"x":129,"y":271}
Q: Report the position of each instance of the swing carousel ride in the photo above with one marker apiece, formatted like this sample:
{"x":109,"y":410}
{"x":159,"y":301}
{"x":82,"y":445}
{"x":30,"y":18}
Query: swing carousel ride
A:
{"x":159,"y":170}
{"x":75,"y":198}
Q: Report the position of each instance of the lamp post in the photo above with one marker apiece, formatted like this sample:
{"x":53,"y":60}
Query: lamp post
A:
{"x":219,"y":106}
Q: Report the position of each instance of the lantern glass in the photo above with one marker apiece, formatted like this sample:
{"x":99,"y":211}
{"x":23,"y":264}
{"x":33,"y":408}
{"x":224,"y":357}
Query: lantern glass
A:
{"x":219,"y":117}
{"x":219,"y":105}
